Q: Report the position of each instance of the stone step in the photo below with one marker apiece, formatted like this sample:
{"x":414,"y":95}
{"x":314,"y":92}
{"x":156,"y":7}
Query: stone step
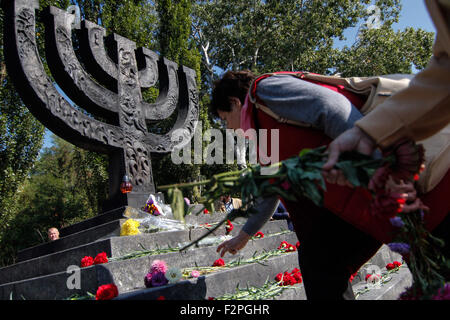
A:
{"x":217,"y":283}
{"x":127,"y":274}
{"x":99,"y":219}
{"x":115,"y":247}
{"x":379,"y":261}
{"x":109,"y":229}
{"x":394,"y":283}
{"x":92,"y":230}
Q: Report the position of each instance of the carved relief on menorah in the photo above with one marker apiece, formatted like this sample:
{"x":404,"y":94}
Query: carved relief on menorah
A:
{"x":110,"y":115}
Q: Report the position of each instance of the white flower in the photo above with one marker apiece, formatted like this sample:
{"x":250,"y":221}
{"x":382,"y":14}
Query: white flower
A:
{"x":173,"y":275}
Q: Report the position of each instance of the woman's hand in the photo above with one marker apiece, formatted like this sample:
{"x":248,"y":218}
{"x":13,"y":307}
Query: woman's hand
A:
{"x":235,"y":244}
{"x":406,"y":189}
{"x":352,"y":139}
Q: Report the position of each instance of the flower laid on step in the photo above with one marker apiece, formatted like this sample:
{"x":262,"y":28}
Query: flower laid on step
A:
{"x":393,"y":265}
{"x":101,"y":258}
{"x":229,"y":227}
{"x":130,"y":228}
{"x":161,"y":298}
{"x":87,"y":261}
{"x":158,"y":266}
{"x":173,"y":274}
{"x":156,"y":276}
{"x":390,"y":266}
{"x":259,"y":235}
{"x":195,"y":273}
{"x":206,"y":225}
{"x":289,"y":278}
{"x":151,"y":208}
{"x":218,"y":263}
{"x":205,"y":211}
{"x":155,"y":279}
{"x":373,"y":278}
{"x":286,"y":246}
{"x":353,"y":276}
{"x":107,"y":292}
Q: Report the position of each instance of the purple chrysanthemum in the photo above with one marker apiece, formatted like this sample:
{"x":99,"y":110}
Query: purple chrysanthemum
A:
{"x":148,"y":280}
{"x":397,"y":222}
{"x":159,"y":266}
{"x":159,"y":279}
{"x":399,"y":247}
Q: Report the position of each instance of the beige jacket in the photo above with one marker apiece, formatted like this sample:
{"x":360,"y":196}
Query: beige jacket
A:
{"x":421,"y":111}
{"x":220,"y":206}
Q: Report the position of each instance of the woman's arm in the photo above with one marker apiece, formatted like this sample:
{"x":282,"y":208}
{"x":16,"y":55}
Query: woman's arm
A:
{"x":300,"y":100}
{"x":265,"y":208}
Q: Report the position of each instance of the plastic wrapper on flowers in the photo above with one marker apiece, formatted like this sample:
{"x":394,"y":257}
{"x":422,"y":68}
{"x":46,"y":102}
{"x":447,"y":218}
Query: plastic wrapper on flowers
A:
{"x":140,"y":221}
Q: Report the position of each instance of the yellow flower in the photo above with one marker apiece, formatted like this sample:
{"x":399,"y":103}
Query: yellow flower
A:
{"x":130,"y":228}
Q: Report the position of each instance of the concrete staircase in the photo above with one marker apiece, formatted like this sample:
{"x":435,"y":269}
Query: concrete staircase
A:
{"x":50,"y":271}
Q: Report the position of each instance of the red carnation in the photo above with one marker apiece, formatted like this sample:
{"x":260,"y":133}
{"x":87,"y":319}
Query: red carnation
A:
{"x":297,"y":276}
{"x":368,"y":276}
{"x":101,"y":258}
{"x":205,"y":211}
{"x":259,"y":234}
{"x":278,"y":277}
{"x":297,"y":244}
{"x":291,"y":248}
{"x":161,"y":298}
{"x":353,"y":276}
{"x":288,"y":280}
{"x":396,"y":264}
{"x":283,"y":245}
{"x":387,"y":204}
{"x":107,"y":292}
{"x":229,"y":227}
{"x":390,"y":266}
{"x":87,"y":261}
{"x":219,"y":263}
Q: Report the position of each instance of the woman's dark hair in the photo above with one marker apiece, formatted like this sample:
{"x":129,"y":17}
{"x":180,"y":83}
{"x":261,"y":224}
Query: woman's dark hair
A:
{"x":232,"y":84}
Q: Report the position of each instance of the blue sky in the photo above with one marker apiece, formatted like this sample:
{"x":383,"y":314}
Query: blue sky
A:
{"x":414,"y":14}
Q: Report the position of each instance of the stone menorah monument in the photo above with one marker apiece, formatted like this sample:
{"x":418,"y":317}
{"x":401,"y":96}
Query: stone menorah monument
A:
{"x":104,"y":80}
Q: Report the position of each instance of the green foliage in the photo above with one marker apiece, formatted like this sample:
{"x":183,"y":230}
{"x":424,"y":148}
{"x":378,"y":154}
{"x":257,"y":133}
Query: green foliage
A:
{"x":176,"y":44}
{"x":66,"y":185}
{"x":383,"y":51}
{"x":267,"y":36}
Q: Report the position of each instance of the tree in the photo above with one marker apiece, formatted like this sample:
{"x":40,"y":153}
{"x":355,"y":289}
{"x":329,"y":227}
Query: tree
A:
{"x":44,"y":197}
{"x":175,"y":44}
{"x":383,"y":51}
{"x":65,"y":186}
{"x":267,"y":36}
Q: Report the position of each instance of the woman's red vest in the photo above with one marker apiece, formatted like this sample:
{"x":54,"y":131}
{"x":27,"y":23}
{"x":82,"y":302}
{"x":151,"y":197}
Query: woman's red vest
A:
{"x":350,"y":204}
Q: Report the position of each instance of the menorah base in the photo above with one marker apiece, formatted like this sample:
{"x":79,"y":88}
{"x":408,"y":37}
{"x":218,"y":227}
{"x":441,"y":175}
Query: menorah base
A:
{"x":132,"y":199}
